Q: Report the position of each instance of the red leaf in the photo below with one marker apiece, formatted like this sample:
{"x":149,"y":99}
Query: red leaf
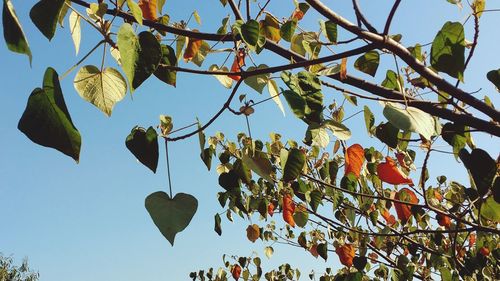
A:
{"x":354,"y":158}
{"x":388,"y":172}
{"x":239,"y":61}
{"x":270,"y":209}
{"x":288,"y":209}
{"x":443,"y":220}
{"x":390,"y":219}
{"x":404,"y":210}
{"x":236,"y":271}
{"x":192,"y":48}
{"x":297,"y":14}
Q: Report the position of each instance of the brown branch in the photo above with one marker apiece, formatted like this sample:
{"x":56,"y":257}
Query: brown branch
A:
{"x":361,"y":17}
{"x":224,"y":107}
{"x":405,"y":55}
{"x":391,"y":16}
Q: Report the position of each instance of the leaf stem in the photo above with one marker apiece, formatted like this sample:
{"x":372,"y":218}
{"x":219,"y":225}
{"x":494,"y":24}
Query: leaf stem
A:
{"x":80,"y":61}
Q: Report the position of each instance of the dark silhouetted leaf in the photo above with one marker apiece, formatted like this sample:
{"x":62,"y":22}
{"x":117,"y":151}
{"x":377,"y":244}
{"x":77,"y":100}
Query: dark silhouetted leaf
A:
{"x":144,"y":145}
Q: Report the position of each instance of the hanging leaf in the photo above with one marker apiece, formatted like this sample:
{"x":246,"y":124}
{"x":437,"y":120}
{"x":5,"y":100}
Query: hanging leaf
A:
{"x":388,"y":134}
{"x":197,"y":17}
{"x":369,"y":119}
{"x":338,"y":129}
{"x":102,"y":89}
{"x":46,"y":120}
{"x":346,"y":254}
{"x":388,"y":172}
{"x":448,"y":50}
{"x":388,"y":217}
{"x":354,"y":159}
{"x":136,"y":11}
{"x":273,"y":91}
{"x":482,"y":167}
{"x":253,"y":232}
{"x":368,"y":63}
{"x":63,"y":13}
{"x":13,"y":32}
{"x":171,"y":215}
{"x":224,"y":79}
{"x":343,"y":69}
{"x":454,"y":134}
{"x":250,"y":31}
{"x":491,"y":210}
{"x":257,"y":82}
{"x":149,"y":9}
{"x":45,"y":15}
{"x":330,"y":29}
{"x":217,"y":226}
{"x":75,"y":29}
{"x":411,"y":119}
{"x":288,"y":210}
{"x":238,"y":63}
{"x":301,"y":216}
{"x":260,"y":164}
{"x":193,"y":46}
{"x":287,"y":30}
{"x":322,"y":250}
{"x":140,"y":55}
{"x":236,"y":272}
{"x":168,"y":59}
{"x":294,"y":164}
{"x":316,"y":199}
{"x":494,"y":77}
{"x":268,"y":251}
{"x":270,"y":209}
{"x":144,"y":146}
{"x":271,"y":28}
{"x":403,"y":210}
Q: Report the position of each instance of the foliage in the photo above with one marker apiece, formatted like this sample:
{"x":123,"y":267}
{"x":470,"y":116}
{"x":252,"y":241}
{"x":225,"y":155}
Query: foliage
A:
{"x":11,"y":272}
{"x":443,"y":228}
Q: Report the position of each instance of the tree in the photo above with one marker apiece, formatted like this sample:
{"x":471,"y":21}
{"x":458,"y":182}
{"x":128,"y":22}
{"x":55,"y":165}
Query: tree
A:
{"x":386,"y":213}
{"x":10,"y":272}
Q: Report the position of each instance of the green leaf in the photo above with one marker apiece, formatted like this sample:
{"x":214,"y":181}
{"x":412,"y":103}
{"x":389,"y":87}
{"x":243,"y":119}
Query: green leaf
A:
{"x":63,"y":13}
{"x":369,"y":119}
{"x":491,"y":210}
{"x":168,"y":59}
{"x":349,"y":182}
{"x":271,"y":28}
{"x":287,"y":30}
{"x":75,"y":30}
{"x":260,"y":164}
{"x":411,"y":119}
{"x":448,"y":48}
{"x":296,"y":103}
{"x":225,"y":80}
{"x":217,"y":226}
{"x":45,"y":15}
{"x":368,"y":63}
{"x":171,"y":215}
{"x":135,"y":10}
{"x":144,"y":146}
{"x":250,"y":32}
{"x":294,"y":164}
{"x":206,"y":156}
{"x":493,"y":76}
{"x":223,"y":28}
{"x":301,"y":218}
{"x":140,"y":55}
{"x":13,"y":32}
{"x":201,"y":136}
{"x":482,"y":167}
{"x":273,"y":91}
{"x":102,"y":89}
{"x":338,"y":129}
{"x":391,"y":81}
{"x":242,"y":171}
{"x":202,"y":53}
{"x":257,"y":82}
{"x":46,"y":120}
{"x":197,"y":17}
{"x":316,"y":197}
{"x":454,"y":134}
{"x":331,"y":31}
{"x":316,"y":135}
{"x":323,"y":250}
{"x":180,"y":43}
{"x":388,"y":134}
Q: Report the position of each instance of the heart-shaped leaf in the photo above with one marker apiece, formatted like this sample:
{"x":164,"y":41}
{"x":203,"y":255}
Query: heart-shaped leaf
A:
{"x":168,"y":59}
{"x":411,"y":119}
{"x":271,"y":28}
{"x":294,"y":164}
{"x":225,"y":80}
{"x":13,"y":32}
{"x":144,"y":145}
{"x":257,"y":82}
{"x":494,"y":77}
{"x":45,"y":15}
{"x":338,"y":129}
{"x":171,"y":215}
{"x":250,"y":32}
{"x":102,"y":89}
{"x":448,"y":50}
{"x":260,"y":164}
{"x":140,"y":55}
{"x":368,"y":63}
{"x":136,"y":11}
{"x":46,"y":120}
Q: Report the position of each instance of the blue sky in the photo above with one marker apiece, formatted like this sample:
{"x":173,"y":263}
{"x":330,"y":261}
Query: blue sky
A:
{"x":87,"y":221}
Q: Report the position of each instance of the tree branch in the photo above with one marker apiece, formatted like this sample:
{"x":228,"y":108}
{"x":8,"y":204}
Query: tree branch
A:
{"x":361,"y":17}
{"x":391,"y":16}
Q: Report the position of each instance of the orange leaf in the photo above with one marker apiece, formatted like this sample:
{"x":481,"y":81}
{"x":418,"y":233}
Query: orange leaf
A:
{"x":354,"y":158}
{"x":343,"y":69}
{"x":239,"y":61}
{"x":388,"y":172}
{"x":390,"y":219}
{"x":346,"y":254}
{"x":314,"y":250}
{"x":236,"y":271}
{"x":401,"y":160}
{"x":404,"y":210}
{"x":484,"y":251}
{"x":148,"y":8}
{"x":443,"y":220}
{"x":253,"y":232}
{"x":288,"y":209}
{"x":270,"y":209}
{"x":472,"y":239}
{"x":192,"y":48}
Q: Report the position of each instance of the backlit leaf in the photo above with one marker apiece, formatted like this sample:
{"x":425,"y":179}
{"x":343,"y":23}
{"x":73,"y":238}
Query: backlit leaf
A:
{"x":447,"y":52}
{"x":13,"y":32}
{"x":273,"y":91}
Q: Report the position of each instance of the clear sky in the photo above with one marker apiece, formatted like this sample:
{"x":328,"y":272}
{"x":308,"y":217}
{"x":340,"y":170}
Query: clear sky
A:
{"x":87,"y":221}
